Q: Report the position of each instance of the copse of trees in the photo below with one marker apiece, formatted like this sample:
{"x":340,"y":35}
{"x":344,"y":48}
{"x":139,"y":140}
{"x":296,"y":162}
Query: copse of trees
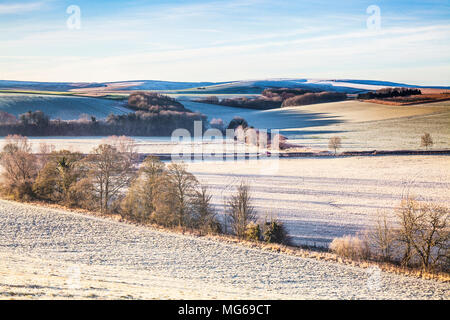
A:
{"x":276,"y":98}
{"x":258,"y":103}
{"x":153,"y":102}
{"x":284,"y":93}
{"x":139,"y":123}
{"x":311,"y":98}
{"x":389,"y":93}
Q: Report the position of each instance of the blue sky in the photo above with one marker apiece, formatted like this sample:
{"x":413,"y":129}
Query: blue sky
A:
{"x":225,"y":40}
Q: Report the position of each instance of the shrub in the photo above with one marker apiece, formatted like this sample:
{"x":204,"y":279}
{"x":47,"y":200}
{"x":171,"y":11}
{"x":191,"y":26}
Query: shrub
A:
{"x":57,"y":176}
{"x":253,"y":232}
{"x":274,"y":231}
{"x":348,"y":247}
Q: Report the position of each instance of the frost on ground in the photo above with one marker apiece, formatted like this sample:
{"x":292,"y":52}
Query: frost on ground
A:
{"x":323,"y":198}
{"x":48,"y":253}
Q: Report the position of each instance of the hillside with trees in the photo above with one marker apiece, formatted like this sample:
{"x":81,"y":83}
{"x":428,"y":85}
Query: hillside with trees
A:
{"x":155,"y":115}
{"x":276,"y":98}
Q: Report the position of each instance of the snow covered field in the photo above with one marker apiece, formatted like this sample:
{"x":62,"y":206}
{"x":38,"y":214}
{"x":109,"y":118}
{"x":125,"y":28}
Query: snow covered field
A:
{"x":48,"y":253}
{"x":320,"y":199}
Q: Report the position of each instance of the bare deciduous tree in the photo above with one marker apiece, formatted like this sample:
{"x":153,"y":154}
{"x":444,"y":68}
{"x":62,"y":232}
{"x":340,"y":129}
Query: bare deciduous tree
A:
{"x":111,"y":169}
{"x":184,"y":188}
{"x":425,"y":231}
{"x":426,"y":140}
{"x":139,"y":203}
{"x":19,"y":166}
{"x":334,"y":143}
{"x":204,"y":213}
{"x":241,"y":212}
{"x":384,"y":237}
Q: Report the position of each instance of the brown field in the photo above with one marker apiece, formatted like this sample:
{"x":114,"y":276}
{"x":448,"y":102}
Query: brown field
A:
{"x":428,"y":95}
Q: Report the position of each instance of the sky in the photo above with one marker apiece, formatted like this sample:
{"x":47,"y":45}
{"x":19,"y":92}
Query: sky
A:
{"x":109,"y":40}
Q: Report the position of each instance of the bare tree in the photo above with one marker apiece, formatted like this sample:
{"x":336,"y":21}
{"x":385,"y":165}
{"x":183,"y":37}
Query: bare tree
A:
{"x":384,"y":237}
{"x":110,"y":170}
{"x":334,"y":143}
{"x":19,"y":166}
{"x":241,"y":212}
{"x":184,"y":186}
{"x":204,"y":213}
{"x":426,"y":140}
{"x":426,"y":231}
{"x":139,"y":203}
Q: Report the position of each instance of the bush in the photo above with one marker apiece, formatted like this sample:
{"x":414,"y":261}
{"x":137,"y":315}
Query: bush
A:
{"x":274,"y":231}
{"x":60,"y":171}
{"x":349,"y":247}
{"x":253,"y":232}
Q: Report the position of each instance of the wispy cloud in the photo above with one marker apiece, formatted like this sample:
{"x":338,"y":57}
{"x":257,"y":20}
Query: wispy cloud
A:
{"x":222,"y":40}
{"x":17,"y":8}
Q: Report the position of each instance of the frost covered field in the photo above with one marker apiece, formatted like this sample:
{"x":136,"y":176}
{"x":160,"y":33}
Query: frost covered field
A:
{"x":63,"y":107}
{"x":323,"y":198}
{"x":48,"y":253}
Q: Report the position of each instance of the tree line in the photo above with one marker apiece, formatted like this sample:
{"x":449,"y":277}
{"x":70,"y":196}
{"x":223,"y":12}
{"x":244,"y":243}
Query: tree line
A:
{"x":111,"y":180}
{"x":277,"y":98}
{"x":389,"y":93}
{"x":155,"y":115}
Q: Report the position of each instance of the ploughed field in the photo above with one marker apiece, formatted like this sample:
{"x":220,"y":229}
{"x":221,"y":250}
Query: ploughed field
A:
{"x":48,"y":253}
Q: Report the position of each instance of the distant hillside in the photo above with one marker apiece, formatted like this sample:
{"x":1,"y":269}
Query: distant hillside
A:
{"x":62,"y":107}
{"x":231,"y":87}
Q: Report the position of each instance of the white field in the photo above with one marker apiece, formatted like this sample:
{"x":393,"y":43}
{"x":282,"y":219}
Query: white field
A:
{"x":323,"y":198}
{"x":54,"y":254}
{"x":62,"y":107}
